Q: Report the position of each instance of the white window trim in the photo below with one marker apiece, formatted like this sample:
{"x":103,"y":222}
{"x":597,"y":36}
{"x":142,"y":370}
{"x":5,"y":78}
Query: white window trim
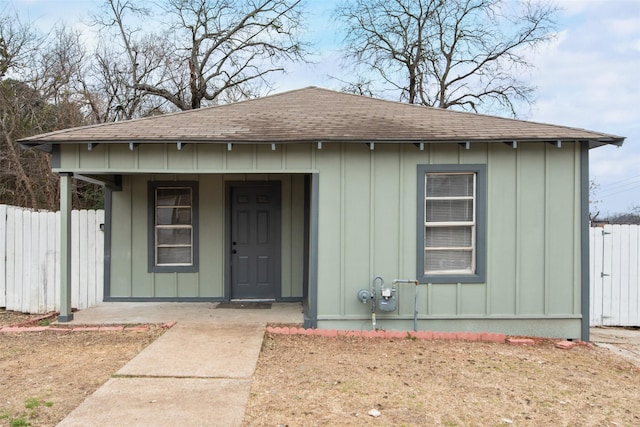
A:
{"x":471,"y":224}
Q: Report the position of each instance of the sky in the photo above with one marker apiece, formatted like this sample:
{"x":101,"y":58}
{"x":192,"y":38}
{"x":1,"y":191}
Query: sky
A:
{"x":588,"y":77}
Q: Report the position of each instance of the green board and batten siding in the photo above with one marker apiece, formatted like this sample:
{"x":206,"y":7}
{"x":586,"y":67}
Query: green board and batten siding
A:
{"x":367,"y":227}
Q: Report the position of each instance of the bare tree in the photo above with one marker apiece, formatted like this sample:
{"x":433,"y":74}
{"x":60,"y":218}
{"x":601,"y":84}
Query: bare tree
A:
{"x":465,"y":54}
{"x":210,"y":51}
{"x":38,"y":82}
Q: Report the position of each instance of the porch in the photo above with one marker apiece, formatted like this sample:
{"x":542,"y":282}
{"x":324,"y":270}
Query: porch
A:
{"x":188,"y":312}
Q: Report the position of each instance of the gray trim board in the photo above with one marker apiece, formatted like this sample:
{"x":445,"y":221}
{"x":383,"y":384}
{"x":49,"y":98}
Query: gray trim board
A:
{"x":584,"y":239}
{"x":56,"y":158}
{"x":311,"y":311}
{"x":166,"y":299}
{"x":151,"y":239}
{"x":108,"y":206}
{"x":481,"y":224}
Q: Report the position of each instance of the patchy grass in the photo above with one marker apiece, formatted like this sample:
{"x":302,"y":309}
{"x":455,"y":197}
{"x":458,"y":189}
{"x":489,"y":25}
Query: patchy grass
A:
{"x":309,"y":380}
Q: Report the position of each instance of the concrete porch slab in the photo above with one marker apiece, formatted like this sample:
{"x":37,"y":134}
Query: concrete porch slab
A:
{"x":196,"y":312}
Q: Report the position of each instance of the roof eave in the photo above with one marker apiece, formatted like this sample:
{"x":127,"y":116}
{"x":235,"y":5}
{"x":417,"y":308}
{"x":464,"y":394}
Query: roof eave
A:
{"x":46,"y":145}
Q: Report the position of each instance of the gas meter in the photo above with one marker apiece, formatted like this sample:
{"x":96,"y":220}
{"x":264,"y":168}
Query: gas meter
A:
{"x":387,"y":301}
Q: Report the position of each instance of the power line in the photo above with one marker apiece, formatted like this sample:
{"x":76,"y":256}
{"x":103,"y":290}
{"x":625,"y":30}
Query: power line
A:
{"x":618,"y":192}
{"x":616,"y":183}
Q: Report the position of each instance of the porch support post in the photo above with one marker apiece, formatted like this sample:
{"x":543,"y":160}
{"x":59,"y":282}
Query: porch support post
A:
{"x":311,"y":318}
{"x":65,"y":248}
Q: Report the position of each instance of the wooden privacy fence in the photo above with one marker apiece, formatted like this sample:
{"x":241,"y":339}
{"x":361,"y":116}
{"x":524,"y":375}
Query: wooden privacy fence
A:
{"x":30,"y":259}
{"x":614,"y":254}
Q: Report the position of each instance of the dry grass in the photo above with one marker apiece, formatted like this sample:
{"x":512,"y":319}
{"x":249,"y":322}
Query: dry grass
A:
{"x":45,"y":375}
{"x":318,"y":381}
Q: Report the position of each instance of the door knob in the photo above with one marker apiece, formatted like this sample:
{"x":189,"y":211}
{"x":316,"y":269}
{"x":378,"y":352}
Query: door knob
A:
{"x":234,"y":251}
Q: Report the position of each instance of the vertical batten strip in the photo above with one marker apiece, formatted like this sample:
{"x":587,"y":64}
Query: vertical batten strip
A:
{"x":487,"y":288}
{"x":576,"y":231}
{"x":372,"y":215}
{"x":343,"y":243}
{"x":518,"y":221}
{"x":547,"y":206}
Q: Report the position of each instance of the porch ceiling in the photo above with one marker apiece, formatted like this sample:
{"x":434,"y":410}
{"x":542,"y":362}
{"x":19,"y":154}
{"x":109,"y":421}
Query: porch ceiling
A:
{"x":319,"y":115}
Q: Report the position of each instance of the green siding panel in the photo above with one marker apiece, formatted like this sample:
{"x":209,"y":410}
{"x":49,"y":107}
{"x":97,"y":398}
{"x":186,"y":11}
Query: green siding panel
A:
{"x":330,"y":233}
{"x":356,"y":238}
{"x":295,"y":288}
{"x":142,"y":283}
{"x":502,"y":229}
{"x":210,"y":156}
{"x":165,"y":285}
{"x":94,"y":159}
{"x":298,"y":156}
{"x":120,"y":157}
{"x":121,"y":241}
{"x":443,"y":299}
{"x":268,"y":159}
{"x":531,"y":232}
{"x":187,"y":284}
{"x":152,"y":156}
{"x":212,"y":259}
{"x":181,"y":159}
{"x":562,"y":214}
{"x":241,"y":157}
{"x":472,"y":299}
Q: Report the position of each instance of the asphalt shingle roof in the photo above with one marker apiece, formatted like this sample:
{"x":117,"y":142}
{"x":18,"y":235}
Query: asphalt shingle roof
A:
{"x":313,"y":114}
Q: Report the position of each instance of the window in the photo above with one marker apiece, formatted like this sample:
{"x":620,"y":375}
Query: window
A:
{"x":451,"y":223}
{"x":173,"y":237}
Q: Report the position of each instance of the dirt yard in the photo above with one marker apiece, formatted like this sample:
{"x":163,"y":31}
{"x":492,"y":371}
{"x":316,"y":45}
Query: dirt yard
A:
{"x":318,"y":381}
{"x":45,"y":375}
{"x":313,"y":381}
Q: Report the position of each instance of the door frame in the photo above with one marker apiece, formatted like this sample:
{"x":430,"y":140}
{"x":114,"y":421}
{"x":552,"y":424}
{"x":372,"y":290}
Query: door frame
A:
{"x":228,"y":192}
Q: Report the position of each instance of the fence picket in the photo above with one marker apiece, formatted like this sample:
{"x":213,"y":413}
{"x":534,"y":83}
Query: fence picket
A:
{"x":10,"y":265}
{"x":91,"y":259}
{"x":30,"y":273}
{"x":50,"y":261}
{"x":3,"y":253}
{"x":615,"y":275}
{"x":99,"y":255}
{"x":75,"y":258}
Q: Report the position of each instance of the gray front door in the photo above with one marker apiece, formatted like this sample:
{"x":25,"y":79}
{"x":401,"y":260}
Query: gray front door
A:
{"x":255,"y":240}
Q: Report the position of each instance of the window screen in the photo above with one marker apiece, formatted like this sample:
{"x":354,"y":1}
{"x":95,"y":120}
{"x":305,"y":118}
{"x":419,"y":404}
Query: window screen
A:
{"x":173,"y":226}
{"x":173,"y":221}
{"x":449,"y":223}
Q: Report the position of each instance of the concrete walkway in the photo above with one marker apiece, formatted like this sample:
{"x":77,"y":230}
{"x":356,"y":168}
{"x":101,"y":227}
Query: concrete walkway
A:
{"x":621,"y":341}
{"x":198,"y":373}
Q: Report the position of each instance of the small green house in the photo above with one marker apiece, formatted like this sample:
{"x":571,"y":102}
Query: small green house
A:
{"x":329,"y":198}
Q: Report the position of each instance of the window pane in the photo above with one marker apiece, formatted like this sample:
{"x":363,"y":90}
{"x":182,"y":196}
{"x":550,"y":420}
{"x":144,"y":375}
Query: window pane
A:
{"x":447,"y":260}
{"x":174,"y":256}
{"x":444,"y":185}
{"x":174,"y":236}
{"x":447,"y":237}
{"x":449,"y":210}
{"x":173,"y":216}
{"x":173,"y":197}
